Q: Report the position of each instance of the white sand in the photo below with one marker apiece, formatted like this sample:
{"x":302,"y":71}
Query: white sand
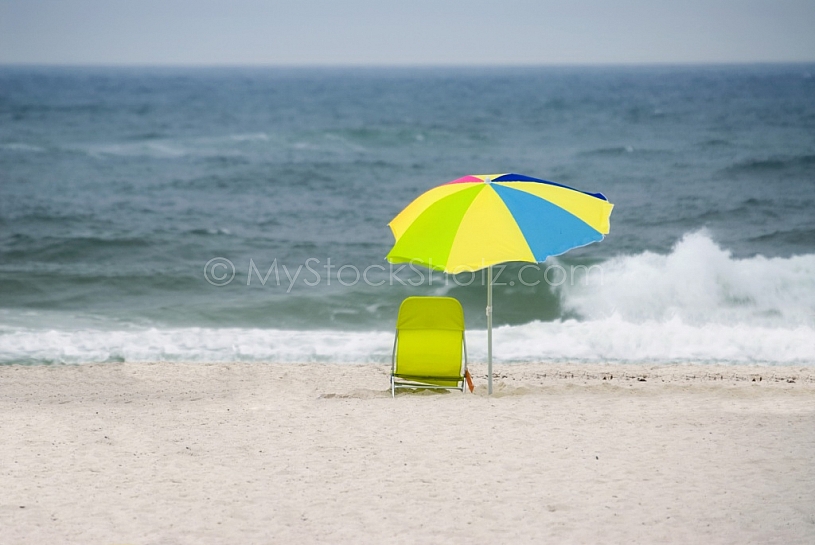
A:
{"x":176,"y":453}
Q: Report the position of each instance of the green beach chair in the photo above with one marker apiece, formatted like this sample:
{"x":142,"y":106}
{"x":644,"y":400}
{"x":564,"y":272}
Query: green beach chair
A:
{"x":429,"y":350}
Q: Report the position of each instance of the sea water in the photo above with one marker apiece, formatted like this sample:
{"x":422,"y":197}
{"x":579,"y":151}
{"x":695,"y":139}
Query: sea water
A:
{"x":181,"y":214}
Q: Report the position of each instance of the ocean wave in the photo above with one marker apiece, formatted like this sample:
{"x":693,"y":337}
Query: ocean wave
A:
{"x":695,"y":304}
{"x":699,"y":283}
{"x":616,"y":340}
{"x":790,"y":237}
{"x":611,"y":151}
{"x":795,"y":163}
{"x":206,"y":345}
{"x":210,"y":231}
{"x":626,"y":151}
{"x":22,"y":147}
{"x":767,"y":208}
{"x":152,"y":149}
{"x":610,"y":340}
{"x":154,"y":146}
{"x":715,"y":143}
{"x":250,"y":137}
{"x":56,"y":250}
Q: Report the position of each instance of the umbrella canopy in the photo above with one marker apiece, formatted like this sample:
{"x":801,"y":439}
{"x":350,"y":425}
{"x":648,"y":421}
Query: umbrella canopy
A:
{"x":481,"y":220}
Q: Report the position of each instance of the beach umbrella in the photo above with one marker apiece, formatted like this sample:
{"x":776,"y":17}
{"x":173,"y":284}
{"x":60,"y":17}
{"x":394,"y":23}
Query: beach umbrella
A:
{"x":482,"y":220}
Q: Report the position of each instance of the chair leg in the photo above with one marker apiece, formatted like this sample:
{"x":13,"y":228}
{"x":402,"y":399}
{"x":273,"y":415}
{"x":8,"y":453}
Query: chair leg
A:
{"x":393,"y":389}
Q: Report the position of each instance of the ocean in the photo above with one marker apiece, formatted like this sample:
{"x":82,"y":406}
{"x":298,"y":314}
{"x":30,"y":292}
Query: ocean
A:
{"x":240,"y":214}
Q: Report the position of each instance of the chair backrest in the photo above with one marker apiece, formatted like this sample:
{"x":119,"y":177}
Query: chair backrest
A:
{"x":429,"y":337}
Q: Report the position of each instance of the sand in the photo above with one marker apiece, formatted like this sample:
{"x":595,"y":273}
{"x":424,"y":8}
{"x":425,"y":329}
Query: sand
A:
{"x":271,"y":453}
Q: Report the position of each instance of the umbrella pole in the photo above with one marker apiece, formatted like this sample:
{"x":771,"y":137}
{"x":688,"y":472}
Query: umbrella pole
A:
{"x":489,"y":330}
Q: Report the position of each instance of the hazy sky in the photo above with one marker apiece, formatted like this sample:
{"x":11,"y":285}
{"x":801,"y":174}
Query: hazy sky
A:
{"x":381,"y":32}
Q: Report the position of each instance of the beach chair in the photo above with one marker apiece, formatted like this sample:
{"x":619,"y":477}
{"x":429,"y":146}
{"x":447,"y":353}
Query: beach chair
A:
{"x":429,"y":350}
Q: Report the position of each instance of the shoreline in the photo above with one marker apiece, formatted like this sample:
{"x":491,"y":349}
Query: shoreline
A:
{"x":687,"y":373}
{"x":225,"y":453}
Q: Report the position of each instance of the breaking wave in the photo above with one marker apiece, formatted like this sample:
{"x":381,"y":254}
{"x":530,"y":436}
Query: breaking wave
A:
{"x":696,"y":304}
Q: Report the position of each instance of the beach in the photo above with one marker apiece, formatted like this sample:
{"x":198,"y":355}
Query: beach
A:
{"x":154,"y":453}
{"x":197,"y":310}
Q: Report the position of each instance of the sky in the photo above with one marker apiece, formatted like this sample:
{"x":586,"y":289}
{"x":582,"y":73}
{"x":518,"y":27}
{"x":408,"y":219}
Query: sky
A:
{"x":412,"y":32}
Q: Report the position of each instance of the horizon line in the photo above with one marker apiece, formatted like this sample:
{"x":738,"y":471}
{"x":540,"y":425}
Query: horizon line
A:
{"x":627,"y":64}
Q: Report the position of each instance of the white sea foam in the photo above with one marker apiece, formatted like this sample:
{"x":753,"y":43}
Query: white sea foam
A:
{"x":224,"y":146}
{"x":22,"y":147}
{"x":155,"y":149}
{"x":699,"y":283}
{"x":619,"y":341}
{"x":192,"y":344}
{"x":250,"y":137}
{"x":606,"y":340}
